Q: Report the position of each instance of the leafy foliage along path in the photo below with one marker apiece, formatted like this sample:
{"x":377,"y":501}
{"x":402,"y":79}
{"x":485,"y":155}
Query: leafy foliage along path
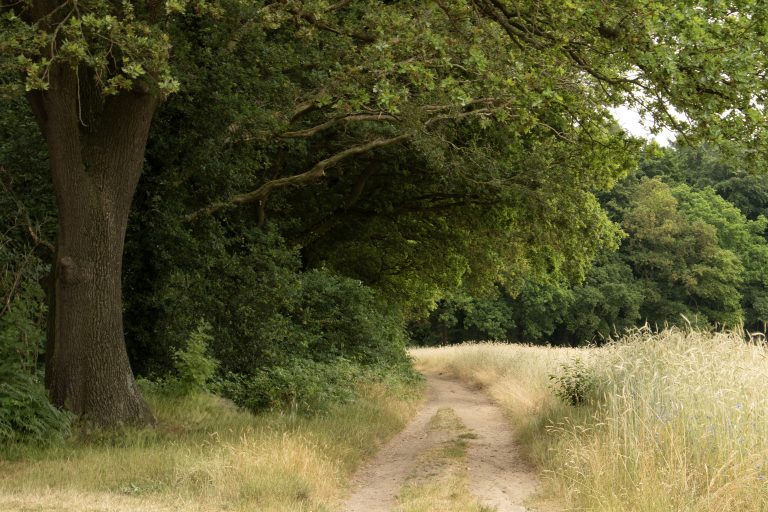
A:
{"x":498,"y":477}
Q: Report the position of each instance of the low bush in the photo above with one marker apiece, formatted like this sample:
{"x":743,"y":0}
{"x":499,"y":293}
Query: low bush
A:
{"x":307,"y":386}
{"x":302,"y":385}
{"x":575,"y":383}
{"x":194,"y":368}
{"x":346,"y":319}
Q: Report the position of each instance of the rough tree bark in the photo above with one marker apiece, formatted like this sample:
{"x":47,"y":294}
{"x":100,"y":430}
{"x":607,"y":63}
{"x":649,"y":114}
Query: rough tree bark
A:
{"x":96,"y":146}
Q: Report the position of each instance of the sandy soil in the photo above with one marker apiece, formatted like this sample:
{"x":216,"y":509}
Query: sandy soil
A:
{"x":498,"y":476}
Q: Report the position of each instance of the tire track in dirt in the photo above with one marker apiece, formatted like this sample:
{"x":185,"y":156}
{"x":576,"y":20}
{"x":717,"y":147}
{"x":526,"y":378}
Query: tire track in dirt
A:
{"x":498,"y":476}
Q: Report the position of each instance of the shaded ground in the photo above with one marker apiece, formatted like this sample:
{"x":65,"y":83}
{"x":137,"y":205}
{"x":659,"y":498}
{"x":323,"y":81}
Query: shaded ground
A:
{"x":497,"y":476}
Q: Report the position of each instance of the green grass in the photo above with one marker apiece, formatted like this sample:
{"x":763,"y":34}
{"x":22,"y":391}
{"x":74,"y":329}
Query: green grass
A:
{"x":205,"y":454}
{"x":677,"y":421}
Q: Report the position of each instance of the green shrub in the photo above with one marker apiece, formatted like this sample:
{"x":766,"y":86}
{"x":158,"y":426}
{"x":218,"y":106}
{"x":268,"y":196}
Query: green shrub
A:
{"x":302,"y":385}
{"x":195,"y":369}
{"x":26,"y":213}
{"x":345,"y":319}
{"x":309,"y":387}
{"x":575,"y":384}
{"x":284,"y":338}
{"x":248,"y":292}
{"x":26,"y":414}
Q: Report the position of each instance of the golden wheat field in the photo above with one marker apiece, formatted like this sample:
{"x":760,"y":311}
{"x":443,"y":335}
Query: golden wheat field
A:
{"x":674,"y":421}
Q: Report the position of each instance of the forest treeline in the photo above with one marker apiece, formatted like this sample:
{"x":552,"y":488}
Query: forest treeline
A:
{"x":693,"y":252}
{"x":304,"y":186}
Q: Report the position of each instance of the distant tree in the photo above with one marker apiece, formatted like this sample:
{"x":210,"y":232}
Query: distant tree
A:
{"x":737,"y":178}
{"x":678,"y":261}
{"x":748,"y":192}
{"x":737,"y":234}
{"x":606,"y":304}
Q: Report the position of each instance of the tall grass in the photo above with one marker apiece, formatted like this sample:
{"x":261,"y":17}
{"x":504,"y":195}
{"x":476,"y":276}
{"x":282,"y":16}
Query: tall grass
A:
{"x":677,"y":421}
{"x":208,"y":455}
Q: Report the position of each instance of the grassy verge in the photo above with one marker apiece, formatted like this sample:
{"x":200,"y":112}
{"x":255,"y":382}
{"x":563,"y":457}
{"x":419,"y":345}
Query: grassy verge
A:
{"x":672,"y":422}
{"x":208,"y":455}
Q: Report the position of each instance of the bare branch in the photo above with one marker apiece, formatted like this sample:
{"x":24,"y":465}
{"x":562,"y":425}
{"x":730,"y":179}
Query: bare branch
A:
{"x":8,"y":299}
{"x":448,"y":106}
{"x":317,"y":171}
{"x":338,"y":5}
{"x":527,"y":32}
{"x":34,"y":234}
{"x":309,"y":132}
{"x":499,"y":17}
{"x":482,"y":112}
{"x":312,"y":20}
{"x":303,"y":108}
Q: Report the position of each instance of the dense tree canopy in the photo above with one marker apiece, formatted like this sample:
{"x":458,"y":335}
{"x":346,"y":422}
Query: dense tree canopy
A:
{"x":453,"y":148}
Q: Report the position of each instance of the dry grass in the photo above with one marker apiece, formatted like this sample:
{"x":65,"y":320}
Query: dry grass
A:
{"x":207,"y":455}
{"x":679,"y":421}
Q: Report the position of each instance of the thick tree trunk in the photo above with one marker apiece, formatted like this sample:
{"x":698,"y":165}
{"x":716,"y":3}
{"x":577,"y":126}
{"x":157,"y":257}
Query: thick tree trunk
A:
{"x":96,"y":147}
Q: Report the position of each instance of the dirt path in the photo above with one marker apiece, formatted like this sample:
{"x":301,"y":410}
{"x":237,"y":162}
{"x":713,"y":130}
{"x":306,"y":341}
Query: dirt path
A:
{"x":498,"y":476}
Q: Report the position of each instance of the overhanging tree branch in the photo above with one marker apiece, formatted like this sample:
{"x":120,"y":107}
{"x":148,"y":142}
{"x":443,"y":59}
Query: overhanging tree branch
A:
{"x":259,"y":196}
{"x":482,"y":112}
{"x":310,"y":18}
{"x":309,"y":132}
{"x":317,"y":171}
{"x":523,"y":31}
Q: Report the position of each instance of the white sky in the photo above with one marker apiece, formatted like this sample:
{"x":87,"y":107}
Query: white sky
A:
{"x":635,"y":125}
